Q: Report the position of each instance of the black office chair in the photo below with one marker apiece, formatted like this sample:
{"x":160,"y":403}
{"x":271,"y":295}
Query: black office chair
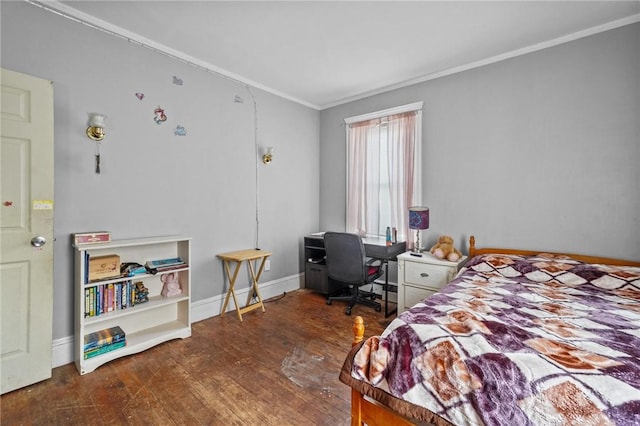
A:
{"x":347,"y":263}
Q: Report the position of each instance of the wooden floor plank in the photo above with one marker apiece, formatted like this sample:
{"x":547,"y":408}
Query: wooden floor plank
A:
{"x":278,"y":367}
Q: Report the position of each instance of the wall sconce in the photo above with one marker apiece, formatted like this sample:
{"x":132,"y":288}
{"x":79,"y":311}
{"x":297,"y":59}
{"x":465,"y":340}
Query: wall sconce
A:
{"x":95,"y":131}
{"x":268,"y":155}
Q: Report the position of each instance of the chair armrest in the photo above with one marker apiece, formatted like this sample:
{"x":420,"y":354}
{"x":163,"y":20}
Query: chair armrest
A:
{"x":371,"y":262}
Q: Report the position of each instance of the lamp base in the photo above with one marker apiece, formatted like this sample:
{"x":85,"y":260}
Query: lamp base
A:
{"x":416,"y":245}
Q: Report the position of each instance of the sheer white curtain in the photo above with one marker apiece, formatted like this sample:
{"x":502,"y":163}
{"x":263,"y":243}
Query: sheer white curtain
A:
{"x":383,"y":173}
{"x":363,"y":171}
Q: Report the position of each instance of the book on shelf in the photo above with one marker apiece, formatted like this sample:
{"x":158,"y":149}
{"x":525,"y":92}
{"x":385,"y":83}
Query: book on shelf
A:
{"x":104,"y":349}
{"x":86,"y":267}
{"x":164,"y":263}
{"x":109,"y":299}
{"x":92,"y":301}
{"x":105,"y":337}
{"x":169,"y":268}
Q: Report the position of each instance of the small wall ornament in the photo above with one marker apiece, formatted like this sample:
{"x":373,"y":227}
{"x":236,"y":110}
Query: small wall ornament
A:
{"x":160,"y":116}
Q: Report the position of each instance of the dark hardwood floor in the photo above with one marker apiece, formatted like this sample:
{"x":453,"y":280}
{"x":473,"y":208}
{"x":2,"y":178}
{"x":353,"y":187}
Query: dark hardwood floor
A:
{"x":279,"y":367}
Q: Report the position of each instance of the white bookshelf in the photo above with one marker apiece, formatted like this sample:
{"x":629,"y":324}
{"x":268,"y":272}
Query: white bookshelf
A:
{"x":145,"y":324}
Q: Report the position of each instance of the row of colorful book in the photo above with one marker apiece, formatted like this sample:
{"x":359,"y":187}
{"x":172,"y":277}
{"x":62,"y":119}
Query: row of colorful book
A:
{"x":104,"y":298}
{"x":103,"y":341}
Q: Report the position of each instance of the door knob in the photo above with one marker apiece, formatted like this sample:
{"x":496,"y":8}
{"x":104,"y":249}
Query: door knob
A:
{"x":38,"y":241}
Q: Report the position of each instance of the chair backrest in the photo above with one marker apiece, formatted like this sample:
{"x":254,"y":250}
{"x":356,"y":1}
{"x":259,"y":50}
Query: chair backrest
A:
{"x":346,"y":258}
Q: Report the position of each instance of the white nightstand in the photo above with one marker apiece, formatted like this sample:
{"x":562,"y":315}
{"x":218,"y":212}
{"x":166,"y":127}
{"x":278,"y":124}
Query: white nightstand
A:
{"x":420,"y":277}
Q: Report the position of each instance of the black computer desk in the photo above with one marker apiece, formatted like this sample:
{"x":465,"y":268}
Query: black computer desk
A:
{"x":375,"y":248}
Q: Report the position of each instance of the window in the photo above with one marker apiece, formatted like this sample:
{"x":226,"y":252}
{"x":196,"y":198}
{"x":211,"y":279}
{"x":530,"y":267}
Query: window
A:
{"x":383,"y":169}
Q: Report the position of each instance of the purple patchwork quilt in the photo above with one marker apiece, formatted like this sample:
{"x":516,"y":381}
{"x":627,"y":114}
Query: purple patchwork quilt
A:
{"x":513,"y":340}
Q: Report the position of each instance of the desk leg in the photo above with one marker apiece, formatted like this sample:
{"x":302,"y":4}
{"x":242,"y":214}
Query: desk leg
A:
{"x":254,"y":287}
{"x":231,"y":292}
{"x":386,"y":291}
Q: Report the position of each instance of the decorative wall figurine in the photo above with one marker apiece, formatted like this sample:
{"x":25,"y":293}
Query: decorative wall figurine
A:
{"x":140,"y":96}
{"x":160,"y":117}
{"x":177,"y":81}
{"x":180,"y":131}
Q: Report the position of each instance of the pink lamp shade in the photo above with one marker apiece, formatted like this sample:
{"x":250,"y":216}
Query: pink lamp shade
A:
{"x":419,"y":217}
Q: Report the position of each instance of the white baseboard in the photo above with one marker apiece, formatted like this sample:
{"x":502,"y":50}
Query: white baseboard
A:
{"x":207,"y":308}
{"x":62,"y":349}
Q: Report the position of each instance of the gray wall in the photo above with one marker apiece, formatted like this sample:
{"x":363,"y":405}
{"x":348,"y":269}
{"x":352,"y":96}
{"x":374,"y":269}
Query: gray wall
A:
{"x":540,"y":151}
{"x":154,"y":183}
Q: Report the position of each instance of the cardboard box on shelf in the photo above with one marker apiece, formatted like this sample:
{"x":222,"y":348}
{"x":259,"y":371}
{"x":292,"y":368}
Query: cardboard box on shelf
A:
{"x":103,"y":267}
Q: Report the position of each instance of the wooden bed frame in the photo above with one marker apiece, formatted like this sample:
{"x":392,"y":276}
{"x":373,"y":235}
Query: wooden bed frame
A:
{"x":473,"y":251}
{"x":367,"y":411}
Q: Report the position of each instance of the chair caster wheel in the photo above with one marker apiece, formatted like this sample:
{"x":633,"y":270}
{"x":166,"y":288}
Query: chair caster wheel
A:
{"x":347,"y":311}
{"x":328,"y":301}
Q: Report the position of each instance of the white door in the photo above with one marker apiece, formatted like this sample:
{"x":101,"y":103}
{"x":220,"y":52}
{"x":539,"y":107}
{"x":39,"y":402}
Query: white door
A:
{"x":26,"y":222}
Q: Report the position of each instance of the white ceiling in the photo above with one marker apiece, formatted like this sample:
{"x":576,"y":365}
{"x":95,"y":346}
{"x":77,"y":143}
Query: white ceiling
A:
{"x":324,"y":53}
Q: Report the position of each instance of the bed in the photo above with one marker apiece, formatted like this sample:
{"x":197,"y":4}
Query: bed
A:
{"x":517,"y":338}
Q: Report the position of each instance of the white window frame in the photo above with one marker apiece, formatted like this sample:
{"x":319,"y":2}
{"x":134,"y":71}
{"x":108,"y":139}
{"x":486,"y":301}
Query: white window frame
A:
{"x":417,"y":192}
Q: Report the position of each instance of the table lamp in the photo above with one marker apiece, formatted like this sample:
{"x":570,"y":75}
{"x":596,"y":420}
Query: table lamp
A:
{"x":418,"y":219}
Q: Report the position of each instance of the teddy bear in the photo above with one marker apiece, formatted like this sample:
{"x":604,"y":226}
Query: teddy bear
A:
{"x":444,"y":249}
{"x":171,"y":285}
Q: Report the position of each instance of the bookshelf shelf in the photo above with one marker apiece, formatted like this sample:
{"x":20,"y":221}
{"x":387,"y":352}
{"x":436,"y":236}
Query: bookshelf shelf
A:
{"x":139,"y":277}
{"x":138,"y":342}
{"x":145,"y":324}
{"x":154,"y":302}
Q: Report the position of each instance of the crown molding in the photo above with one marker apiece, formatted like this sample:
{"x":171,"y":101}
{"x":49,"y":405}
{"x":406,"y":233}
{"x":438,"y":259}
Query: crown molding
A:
{"x":68,"y":12}
{"x":493,"y":59}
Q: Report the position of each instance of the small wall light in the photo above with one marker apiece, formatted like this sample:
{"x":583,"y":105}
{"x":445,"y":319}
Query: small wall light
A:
{"x":268,"y":155}
{"x":95,"y":131}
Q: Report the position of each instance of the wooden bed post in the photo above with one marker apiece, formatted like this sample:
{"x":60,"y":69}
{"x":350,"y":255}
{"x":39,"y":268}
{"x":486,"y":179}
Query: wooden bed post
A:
{"x":472,"y":246}
{"x":356,"y":397}
{"x":365,"y":411}
{"x":358,"y":330}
